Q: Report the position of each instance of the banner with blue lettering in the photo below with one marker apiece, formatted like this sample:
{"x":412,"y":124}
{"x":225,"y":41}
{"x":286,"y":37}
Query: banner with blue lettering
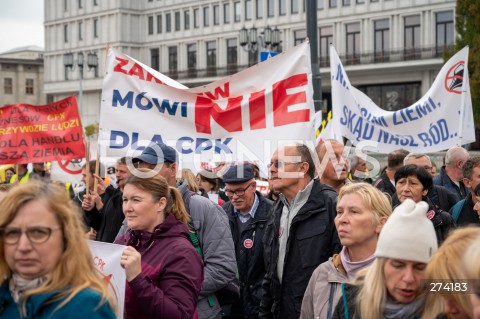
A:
{"x":241,"y":117}
{"x":442,"y":118}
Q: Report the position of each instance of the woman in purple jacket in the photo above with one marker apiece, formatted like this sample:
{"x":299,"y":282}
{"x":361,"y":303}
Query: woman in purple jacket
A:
{"x":164,"y":271}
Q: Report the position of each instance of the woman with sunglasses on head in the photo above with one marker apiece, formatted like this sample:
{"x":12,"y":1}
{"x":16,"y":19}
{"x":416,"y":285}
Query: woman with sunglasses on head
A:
{"x":45,"y":263}
{"x":164,"y":271}
{"x":362,"y":210}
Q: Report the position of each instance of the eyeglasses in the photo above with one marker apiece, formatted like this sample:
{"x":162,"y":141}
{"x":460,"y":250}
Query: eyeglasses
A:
{"x":36,"y":235}
{"x":238,"y":192}
{"x":280,"y":164}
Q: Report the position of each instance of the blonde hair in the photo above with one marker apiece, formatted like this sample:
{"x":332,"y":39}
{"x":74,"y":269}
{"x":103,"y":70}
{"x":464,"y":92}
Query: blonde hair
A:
{"x":444,"y":265}
{"x":375,"y":201}
{"x":191,"y":180}
{"x":158,"y":187}
{"x":371,"y":298}
{"x":470,"y":259}
{"x":74,"y":271}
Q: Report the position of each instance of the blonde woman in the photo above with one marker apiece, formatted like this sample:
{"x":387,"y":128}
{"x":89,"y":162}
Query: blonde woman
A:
{"x":45,"y":263}
{"x":471,"y":268}
{"x":391,"y":287}
{"x":444,"y":267}
{"x":362,"y":210}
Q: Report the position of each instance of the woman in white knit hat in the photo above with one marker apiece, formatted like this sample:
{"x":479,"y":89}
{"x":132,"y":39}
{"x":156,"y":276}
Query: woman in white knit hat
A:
{"x":391,"y":287}
{"x":362,"y":210}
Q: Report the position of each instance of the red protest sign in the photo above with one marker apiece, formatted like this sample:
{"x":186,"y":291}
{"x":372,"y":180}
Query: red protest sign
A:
{"x":31,"y":133}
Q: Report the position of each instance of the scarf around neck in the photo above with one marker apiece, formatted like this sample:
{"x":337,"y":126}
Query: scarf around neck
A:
{"x":411,"y":310}
{"x":352,"y":267}
{"x":19,"y":285}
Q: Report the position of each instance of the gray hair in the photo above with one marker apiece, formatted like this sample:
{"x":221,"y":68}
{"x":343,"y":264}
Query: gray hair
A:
{"x":455,"y":154}
{"x":415,"y":156}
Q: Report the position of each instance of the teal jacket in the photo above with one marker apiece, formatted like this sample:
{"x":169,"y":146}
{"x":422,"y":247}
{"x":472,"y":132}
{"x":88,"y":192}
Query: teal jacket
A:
{"x":84,"y":305}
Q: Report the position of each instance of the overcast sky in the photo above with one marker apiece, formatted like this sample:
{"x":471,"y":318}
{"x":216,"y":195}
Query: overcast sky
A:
{"x":21,"y":24}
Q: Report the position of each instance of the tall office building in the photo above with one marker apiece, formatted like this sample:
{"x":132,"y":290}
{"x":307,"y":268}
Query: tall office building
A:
{"x":392,"y":49}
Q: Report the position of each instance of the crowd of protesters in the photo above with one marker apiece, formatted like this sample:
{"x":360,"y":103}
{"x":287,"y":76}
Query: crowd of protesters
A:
{"x":327,"y":241}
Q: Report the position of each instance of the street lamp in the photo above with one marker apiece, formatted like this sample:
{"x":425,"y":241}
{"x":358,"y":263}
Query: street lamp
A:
{"x":267,"y":39}
{"x":69,"y":62}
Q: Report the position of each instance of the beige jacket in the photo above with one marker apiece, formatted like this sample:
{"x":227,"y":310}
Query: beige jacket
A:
{"x":327,"y":276}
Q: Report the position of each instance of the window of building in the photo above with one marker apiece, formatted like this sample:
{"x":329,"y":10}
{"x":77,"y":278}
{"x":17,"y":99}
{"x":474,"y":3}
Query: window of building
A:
{"x":226,"y":13}
{"x":155,"y":59}
{"x":444,"y":30}
{"x":360,"y":1}
{"x":332,"y":3}
{"x":237,"y":11}
{"x":232,"y":56}
{"x":8,"y":85}
{"x":294,"y":6}
{"x":381,"y":40}
{"x":192,"y":59}
{"x":393,"y":97}
{"x":80,"y":4}
{"x":28,"y":86}
{"x":150,"y":25}
{"x":252,"y":57}
{"x":206,"y":16}
{"x":196,"y":18}
{"x":186,"y":19}
{"x":346,"y":3}
{"x":299,"y":36}
{"x":326,"y":37}
{"x":159,"y":23}
{"x":259,"y":9}
{"x":211,"y":58}
{"x":270,"y":8}
{"x":172,"y":61}
{"x":282,"y":7}
{"x":320,"y":4}
{"x":412,"y":37}
{"x":216,"y":14}
{"x":248,"y":9}
{"x":80,"y":31}
{"x":353,"y":43}
{"x":95,"y":3}
{"x":168,"y":21}
{"x":177,"y":21}
{"x":95,"y":28}
{"x":65,"y":33}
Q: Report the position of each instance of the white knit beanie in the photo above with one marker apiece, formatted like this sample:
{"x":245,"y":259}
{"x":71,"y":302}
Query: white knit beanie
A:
{"x":408,"y":234}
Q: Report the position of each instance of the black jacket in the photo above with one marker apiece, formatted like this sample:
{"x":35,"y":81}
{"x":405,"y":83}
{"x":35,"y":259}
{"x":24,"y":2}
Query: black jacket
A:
{"x":250,"y":261}
{"x":442,"y":197}
{"x":467,"y":215}
{"x":442,"y":179}
{"x":442,"y":220}
{"x":313,"y":239}
{"x":383,"y":183}
{"x":111,"y":217}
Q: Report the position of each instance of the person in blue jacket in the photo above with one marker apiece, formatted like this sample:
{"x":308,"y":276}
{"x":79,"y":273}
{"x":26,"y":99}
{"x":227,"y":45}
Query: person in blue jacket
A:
{"x":45,"y":263}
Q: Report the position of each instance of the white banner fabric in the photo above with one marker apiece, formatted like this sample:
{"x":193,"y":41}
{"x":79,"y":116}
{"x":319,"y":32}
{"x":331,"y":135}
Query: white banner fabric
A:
{"x":241,"y":117}
{"x":441,"y":119}
{"x":106,"y":258}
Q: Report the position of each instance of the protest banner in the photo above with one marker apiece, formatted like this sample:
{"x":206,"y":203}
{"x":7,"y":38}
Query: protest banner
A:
{"x":32,"y":133}
{"x":441,"y":119}
{"x":106,"y":258}
{"x":240,"y":117}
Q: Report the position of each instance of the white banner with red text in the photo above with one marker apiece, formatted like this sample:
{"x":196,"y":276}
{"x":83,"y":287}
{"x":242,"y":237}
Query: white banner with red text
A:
{"x":240,"y":117}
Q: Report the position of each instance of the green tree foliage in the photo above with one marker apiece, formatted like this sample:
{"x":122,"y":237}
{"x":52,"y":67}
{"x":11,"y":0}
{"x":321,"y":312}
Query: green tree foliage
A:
{"x":467,"y":25}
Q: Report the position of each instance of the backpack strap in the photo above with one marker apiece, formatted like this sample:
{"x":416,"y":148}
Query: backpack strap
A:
{"x":345,"y":304}
{"x":457,"y":209}
{"x":330,"y":300}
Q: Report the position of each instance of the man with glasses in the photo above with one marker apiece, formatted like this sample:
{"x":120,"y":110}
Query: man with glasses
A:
{"x":248,"y":212}
{"x":439,"y":195}
{"x":301,"y":233}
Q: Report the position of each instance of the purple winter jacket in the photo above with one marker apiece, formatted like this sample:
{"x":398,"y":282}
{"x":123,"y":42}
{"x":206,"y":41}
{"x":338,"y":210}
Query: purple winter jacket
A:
{"x":172,"y":273}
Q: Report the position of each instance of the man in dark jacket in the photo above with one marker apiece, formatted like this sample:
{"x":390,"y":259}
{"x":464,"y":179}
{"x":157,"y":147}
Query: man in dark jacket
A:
{"x":385,"y":182}
{"x":451,"y":174}
{"x":467,"y":211}
{"x":300,"y":234}
{"x":248,"y":212}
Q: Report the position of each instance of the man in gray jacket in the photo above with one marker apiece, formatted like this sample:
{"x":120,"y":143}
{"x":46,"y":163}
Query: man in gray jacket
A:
{"x":211,"y":224}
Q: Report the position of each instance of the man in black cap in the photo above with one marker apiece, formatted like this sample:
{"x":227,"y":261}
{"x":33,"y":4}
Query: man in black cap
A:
{"x":248,"y":212}
{"x":211,"y":224}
